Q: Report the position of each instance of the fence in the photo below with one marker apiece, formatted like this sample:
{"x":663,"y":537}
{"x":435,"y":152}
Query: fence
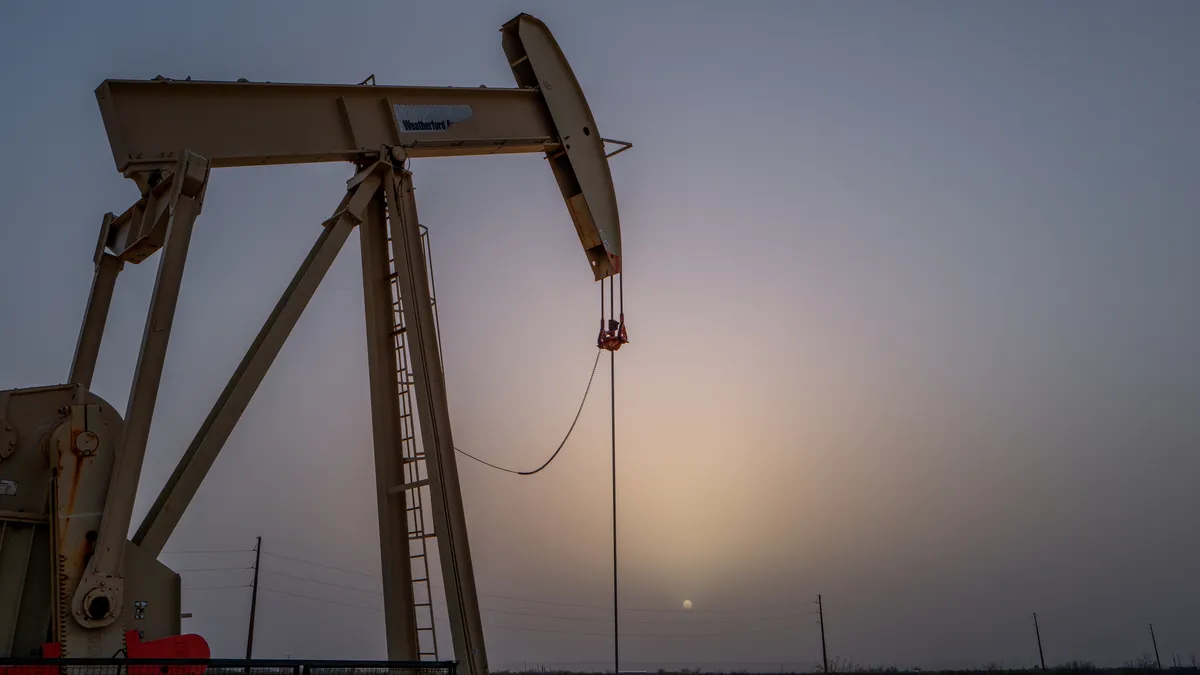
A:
{"x":33,"y":666}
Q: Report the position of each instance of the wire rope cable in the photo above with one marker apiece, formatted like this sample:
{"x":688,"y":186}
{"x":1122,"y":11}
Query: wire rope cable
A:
{"x":545,"y":464}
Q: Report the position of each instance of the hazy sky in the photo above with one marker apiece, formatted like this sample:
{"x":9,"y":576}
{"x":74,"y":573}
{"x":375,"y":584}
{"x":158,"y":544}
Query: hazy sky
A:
{"x":911,"y":292}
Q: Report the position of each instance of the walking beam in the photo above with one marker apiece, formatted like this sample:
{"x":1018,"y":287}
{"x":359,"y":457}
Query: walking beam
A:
{"x":260,"y":123}
{"x":256,"y":123}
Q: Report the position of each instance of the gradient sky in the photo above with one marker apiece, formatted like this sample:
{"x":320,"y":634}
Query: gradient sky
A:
{"x":911,"y":293}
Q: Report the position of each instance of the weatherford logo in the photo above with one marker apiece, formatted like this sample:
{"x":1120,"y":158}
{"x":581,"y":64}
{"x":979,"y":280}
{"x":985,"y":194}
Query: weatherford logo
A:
{"x":422,"y":118}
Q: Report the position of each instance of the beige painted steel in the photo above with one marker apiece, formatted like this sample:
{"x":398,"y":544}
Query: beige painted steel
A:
{"x":141,"y":230}
{"x":16,"y":548}
{"x":256,"y":123}
{"x":28,"y":567}
{"x":189,"y":473}
{"x":85,"y":450}
{"x":103,"y":575}
{"x":449,"y":517}
{"x":25,"y":565}
{"x":156,"y":586}
{"x":399,"y":605}
{"x":34,"y":613}
{"x":44,"y":532}
{"x":165,"y":135}
{"x":91,"y":332}
{"x":580,"y":164}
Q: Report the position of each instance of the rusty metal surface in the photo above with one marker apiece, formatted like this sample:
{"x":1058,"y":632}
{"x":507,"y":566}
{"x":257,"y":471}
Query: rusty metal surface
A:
{"x":102,"y":583}
{"x":165,"y":135}
{"x":41,"y":555}
{"x":84,"y":449}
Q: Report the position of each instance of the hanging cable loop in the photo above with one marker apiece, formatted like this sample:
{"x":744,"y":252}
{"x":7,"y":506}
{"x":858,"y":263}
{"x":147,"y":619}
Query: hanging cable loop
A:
{"x":560,"y":445}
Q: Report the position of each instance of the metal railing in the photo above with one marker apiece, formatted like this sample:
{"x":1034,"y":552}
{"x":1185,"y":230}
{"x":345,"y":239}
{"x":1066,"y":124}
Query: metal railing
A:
{"x":35,"y":666}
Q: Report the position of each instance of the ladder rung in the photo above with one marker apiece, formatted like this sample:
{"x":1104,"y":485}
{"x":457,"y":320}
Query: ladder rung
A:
{"x":398,"y":331}
{"x":408,"y":486}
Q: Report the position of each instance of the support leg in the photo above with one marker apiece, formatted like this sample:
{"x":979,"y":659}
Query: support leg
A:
{"x":450,"y":521}
{"x":99,"y":597}
{"x":96,"y":313}
{"x":175,"y":496}
{"x":398,"y":602}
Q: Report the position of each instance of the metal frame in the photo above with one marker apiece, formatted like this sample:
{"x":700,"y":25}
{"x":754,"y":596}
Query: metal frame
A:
{"x":189,"y":473}
{"x":167,"y":135}
{"x":400,"y":620}
{"x":450,"y":522}
{"x":100,"y":592}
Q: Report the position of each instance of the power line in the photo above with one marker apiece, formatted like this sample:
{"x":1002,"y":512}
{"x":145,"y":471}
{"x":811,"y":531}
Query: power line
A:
{"x":521,"y":628}
{"x":215,"y":569}
{"x":548,"y":630}
{"x":229,"y":550}
{"x":635,"y":635}
{"x":783,"y":617}
{"x":547,"y":602}
{"x":323,"y":583}
{"x":332,"y":602}
{"x":638,"y":609}
{"x":560,"y":445}
{"x":544,"y":616}
{"x":729,"y":610}
{"x":649,"y":610}
{"x":650,"y":623}
{"x":317,"y":564}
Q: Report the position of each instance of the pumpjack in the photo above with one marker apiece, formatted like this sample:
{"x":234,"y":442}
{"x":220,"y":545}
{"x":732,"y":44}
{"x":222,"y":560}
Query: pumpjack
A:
{"x":72,"y":583}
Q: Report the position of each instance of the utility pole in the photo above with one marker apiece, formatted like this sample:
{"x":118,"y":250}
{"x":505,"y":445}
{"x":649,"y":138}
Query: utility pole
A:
{"x":1155,"y":643}
{"x":253,"y":600}
{"x":821,"y":620}
{"x":1038,"y":633}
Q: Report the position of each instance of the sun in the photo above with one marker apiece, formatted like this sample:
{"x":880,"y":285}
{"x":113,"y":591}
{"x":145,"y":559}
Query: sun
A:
{"x":687,"y":604}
